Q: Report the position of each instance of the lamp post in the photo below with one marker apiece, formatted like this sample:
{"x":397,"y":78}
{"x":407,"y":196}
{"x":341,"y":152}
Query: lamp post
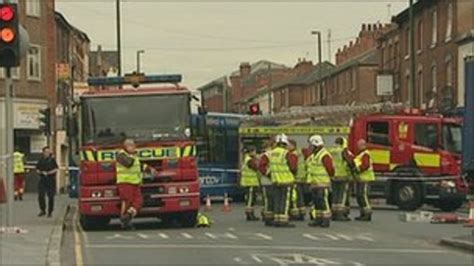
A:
{"x":319,"y":50}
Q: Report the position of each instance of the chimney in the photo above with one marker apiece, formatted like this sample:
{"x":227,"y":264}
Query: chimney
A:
{"x":245,"y":69}
{"x":351,"y":44}
{"x":364,"y":27}
{"x":369,"y":27}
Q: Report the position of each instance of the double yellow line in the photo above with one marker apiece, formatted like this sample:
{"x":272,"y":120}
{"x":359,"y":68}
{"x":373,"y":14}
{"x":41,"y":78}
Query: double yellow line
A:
{"x":79,"y":236}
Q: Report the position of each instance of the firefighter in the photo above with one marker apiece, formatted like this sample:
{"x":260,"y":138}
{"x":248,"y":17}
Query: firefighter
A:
{"x":341,"y":179}
{"x":203,"y":221}
{"x":320,"y":171}
{"x":249,"y":180}
{"x":283,"y":166}
{"x":365,"y":175}
{"x":266,"y":183}
{"x":129,"y":179}
{"x":298,"y":209}
{"x":19,"y":173}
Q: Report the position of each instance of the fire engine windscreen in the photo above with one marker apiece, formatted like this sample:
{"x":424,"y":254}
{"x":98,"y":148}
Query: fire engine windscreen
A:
{"x":107,"y":120}
{"x":452,"y":138}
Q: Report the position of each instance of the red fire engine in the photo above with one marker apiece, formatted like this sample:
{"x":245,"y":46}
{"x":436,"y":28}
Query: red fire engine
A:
{"x":158,"y":119}
{"x":417,"y":158}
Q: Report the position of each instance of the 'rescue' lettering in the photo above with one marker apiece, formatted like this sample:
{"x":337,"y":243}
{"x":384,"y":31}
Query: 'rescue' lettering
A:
{"x":143,"y":154}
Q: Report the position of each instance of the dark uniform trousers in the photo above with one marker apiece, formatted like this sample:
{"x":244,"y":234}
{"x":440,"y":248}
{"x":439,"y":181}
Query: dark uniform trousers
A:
{"x":321,"y":202}
{"x":268,"y":203}
{"x":339,"y":195}
{"x":46,"y":188}
{"x":250,"y":198}
{"x":281,"y":202}
{"x":298,"y":207}
{"x":362,"y":191}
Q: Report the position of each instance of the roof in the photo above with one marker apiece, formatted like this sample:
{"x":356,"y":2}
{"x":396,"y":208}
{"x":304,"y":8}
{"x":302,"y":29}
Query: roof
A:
{"x":370,"y":57}
{"x":318,"y":71}
{"x":418,"y":7}
{"x":60,"y":18}
{"x":217,"y":82}
{"x":261,"y":64}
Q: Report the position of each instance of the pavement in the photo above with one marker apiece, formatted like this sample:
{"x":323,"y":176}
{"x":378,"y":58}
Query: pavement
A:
{"x":233,"y":241}
{"x":39,"y":245}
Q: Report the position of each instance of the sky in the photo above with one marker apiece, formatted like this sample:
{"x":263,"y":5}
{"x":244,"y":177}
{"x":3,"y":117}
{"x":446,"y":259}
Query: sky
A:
{"x":204,"y":40}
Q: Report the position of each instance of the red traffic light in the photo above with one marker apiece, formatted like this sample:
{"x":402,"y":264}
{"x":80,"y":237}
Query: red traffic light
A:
{"x":254,"y":109}
{"x":7,"y":13}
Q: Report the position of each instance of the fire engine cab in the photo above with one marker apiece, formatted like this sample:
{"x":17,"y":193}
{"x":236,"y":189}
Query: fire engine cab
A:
{"x":416,"y":156}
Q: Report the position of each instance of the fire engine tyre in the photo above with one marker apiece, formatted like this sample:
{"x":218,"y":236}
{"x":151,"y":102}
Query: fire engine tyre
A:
{"x":408,"y":196}
{"x":449,"y":205}
{"x":187,"y":219}
{"x":89,"y":223}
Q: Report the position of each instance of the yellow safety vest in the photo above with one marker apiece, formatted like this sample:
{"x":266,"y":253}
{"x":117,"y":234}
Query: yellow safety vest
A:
{"x":132,"y":175}
{"x":248,"y":176}
{"x":368,"y":175}
{"x":317,"y":174}
{"x":279,"y":169}
{"x":18,"y":163}
{"x":340,"y":165}
{"x":301,"y":173}
{"x":203,"y":221}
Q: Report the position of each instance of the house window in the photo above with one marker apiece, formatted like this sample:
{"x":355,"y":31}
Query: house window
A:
{"x":434,"y":29}
{"x":420,"y":36}
{"x":420,"y":87}
{"x":377,"y":133}
{"x":34,"y":62}
{"x":449,"y":73}
{"x":395,"y":56}
{"x":449,"y":25}
{"x":434,"y":78}
{"x":426,"y":135}
{"x":407,"y":41}
{"x":33,"y":8}
{"x":15,"y":73}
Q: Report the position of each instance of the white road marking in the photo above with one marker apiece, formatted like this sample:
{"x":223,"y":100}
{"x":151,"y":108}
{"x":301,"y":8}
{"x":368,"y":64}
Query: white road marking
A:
{"x":366,"y":238}
{"x":211,"y":235}
{"x":311,"y":237}
{"x":143,"y":236}
{"x":162,"y":235}
{"x":231,"y":236}
{"x":266,"y":247}
{"x":331,"y":237}
{"x":264,"y":236}
{"x":231,"y":229}
{"x":118,"y":236}
{"x":257,"y":259}
{"x":187,"y":236}
{"x":345,"y":237}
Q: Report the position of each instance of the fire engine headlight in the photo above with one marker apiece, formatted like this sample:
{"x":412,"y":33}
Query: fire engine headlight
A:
{"x":172,"y":190}
{"x":183,"y":190}
{"x":96,"y":194}
{"x":448,"y":184}
{"x":109,"y":193}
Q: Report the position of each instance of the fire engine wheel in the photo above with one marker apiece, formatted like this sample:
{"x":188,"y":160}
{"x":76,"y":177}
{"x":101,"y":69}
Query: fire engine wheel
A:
{"x":187,"y":219}
{"x":449,"y":205}
{"x":93,"y":223}
{"x":408,"y":196}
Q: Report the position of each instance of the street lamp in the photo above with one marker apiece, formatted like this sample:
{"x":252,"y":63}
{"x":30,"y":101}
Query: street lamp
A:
{"x":318,"y":33}
{"x":139,"y":52}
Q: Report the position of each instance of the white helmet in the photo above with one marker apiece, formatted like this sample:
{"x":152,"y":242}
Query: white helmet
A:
{"x":282,"y":138}
{"x":316,"y":140}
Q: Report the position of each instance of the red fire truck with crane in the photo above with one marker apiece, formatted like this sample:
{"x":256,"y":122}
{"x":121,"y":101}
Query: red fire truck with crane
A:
{"x":158,"y":119}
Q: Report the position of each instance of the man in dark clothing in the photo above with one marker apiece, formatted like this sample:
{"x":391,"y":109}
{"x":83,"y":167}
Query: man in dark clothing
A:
{"x":47,"y":169}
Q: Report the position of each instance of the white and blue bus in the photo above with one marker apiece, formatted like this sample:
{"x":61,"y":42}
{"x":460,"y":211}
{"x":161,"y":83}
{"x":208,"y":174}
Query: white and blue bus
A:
{"x":217,"y":140}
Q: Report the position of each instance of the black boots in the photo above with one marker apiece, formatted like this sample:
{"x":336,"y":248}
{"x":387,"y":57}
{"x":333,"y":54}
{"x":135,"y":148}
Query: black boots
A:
{"x":364,"y":217}
{"x":321,"y":222}
{"x":251,"y":217}
{"x":339,"y":216}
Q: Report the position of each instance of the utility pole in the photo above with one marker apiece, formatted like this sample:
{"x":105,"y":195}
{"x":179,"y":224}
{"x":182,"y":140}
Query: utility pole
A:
{"x":270,"y":109}
{"x":412,"y":86}
{"x":329,"y":45}
{"x":139,"y":52}
{"x":119,"y":39}
{"x":318,"y":33}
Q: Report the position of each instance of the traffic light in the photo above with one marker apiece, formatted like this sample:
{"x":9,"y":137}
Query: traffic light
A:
{"x":45,"y":121}
{"x":9,"y":36}
{"x":254,"y":109}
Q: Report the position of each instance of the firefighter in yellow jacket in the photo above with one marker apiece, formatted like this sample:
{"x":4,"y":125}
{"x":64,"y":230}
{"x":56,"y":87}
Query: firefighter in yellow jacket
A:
{"x":320,"y":169}
{"x":298,"y":208}
{"x":249,"y":179}
{"x":19,"y":173}
{"x":341,"y":179}
{"x":365,"y":175}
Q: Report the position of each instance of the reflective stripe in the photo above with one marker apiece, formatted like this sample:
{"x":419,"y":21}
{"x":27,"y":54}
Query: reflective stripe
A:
{"x":427,"y":159}
{"x":380,"y":156}
{"x":308,"y":130}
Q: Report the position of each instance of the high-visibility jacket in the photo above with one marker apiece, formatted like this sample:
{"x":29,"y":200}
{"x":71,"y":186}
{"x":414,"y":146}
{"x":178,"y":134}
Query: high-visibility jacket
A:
{"x":279,"y":170}
{"x":132,"y":175}
{"x":203,"y":221}
{"x":248,"y":176}
{"x":18,"y":163}
{"x":301,"y":173}
{"x":317,"y":174}
{"x":340,"y":165}
{"x":367,"y":175}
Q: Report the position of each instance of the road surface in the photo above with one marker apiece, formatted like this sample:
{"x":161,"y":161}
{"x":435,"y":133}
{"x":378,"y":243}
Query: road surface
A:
{"x":233,"y":241}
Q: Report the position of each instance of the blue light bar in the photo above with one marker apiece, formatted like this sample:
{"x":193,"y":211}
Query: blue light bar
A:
{"x":115,"y":81}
